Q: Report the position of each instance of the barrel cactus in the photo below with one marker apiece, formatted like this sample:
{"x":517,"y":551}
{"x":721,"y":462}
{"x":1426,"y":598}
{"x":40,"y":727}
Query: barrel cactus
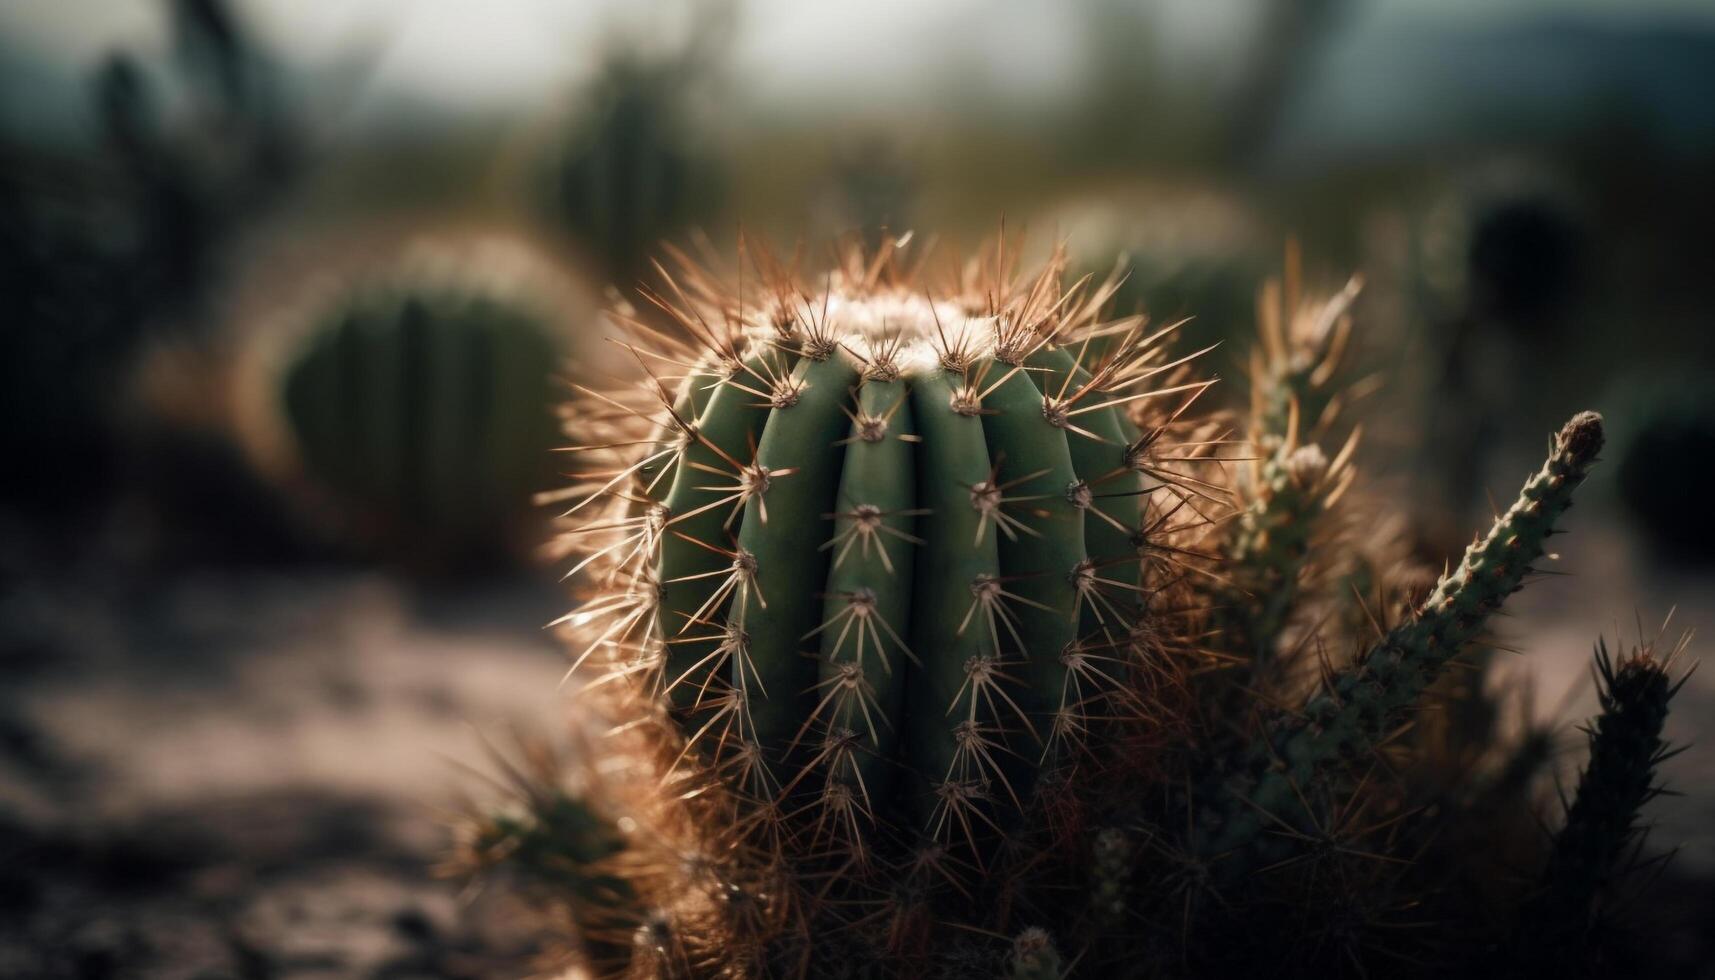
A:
{"x":421,"y":405}
{"x":934,"y":628}
{"x":1022,"y":588}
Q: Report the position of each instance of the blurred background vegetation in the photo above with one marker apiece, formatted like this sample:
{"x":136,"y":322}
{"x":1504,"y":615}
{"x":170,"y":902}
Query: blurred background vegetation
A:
{"x":276,"y":279}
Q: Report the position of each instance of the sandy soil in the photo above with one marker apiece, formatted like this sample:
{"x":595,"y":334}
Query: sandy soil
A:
{"x":249,"y":775}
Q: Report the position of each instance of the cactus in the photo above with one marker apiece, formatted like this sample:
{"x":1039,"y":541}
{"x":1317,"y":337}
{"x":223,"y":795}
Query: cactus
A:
{"x":910,"y":607}
{"x":112,"y":250}
{"x":632,"y":169}
{"x":1024,"y":583}
{"x":424,"y":407}
{"x":1602,"y":822}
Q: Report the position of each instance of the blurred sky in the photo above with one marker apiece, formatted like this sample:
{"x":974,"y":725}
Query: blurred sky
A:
{"x":476,"y":55}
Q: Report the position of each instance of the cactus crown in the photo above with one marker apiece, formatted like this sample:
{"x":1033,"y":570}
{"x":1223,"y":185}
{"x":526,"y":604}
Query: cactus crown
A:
{"x":934,"y":634}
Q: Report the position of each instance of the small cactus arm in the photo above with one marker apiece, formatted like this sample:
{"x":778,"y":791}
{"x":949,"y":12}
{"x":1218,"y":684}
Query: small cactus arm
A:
{"x":1261,"y":788}
{"x":1296,"y":395}
{"x":1626,"y":747}
{"x":1304,"y":340}
{"x":560,"y":843}
{"x":1291,"y":489}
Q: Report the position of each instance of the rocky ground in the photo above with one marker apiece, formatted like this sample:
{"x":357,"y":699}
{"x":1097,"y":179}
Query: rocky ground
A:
{"x":249,"y":774}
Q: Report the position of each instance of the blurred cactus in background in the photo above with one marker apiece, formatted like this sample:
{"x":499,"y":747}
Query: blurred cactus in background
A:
{"x":635,"y":167}
{"x":98,"y":257}
{"x":1524,"y":261}
{"x":631,"y":175}
{"x":873,"y":183}
{"x":1197,"y":254}
{"x":193,"y":180}
{"x":1669,"y":428}
{"x":930,"y":641}
{"x":1502,"y":255}
{"x":1498,"y":263}
{"x":420,"y":404}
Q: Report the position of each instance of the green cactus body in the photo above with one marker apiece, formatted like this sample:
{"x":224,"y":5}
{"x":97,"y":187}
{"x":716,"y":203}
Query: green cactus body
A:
{"x":908,"y":581}
{"x":425,"y":412}
{"x":1039,"y":561}
{"x":671,"y":435}
{"x":867,"y":608}
{"x":701,"y":528}
{"x":799,"y":474}
{"x":1099,"y":457}
{"x":959,"y":553}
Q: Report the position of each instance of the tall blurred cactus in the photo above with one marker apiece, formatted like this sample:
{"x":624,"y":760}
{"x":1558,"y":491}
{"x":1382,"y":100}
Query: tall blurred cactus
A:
{"x":629,"y":176}
{"x":635,"y":167}
{"x":930,"y":641}
{"x":102,"y":251}
{"x":196,"y":177}
{"x":423,"y":406}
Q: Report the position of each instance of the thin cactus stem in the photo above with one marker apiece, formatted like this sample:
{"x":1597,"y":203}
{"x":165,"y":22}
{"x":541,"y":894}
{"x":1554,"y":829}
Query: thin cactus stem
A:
{"x":1262,"y":789}
{"x":1294,"y":487}
{"x":1601,"y":823}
